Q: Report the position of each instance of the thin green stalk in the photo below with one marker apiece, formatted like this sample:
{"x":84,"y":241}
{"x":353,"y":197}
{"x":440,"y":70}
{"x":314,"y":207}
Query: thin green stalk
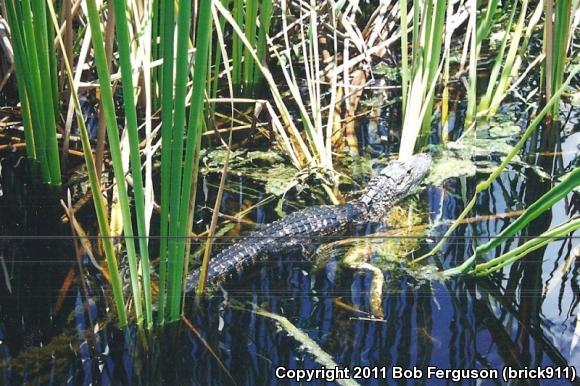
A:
{"x":166,"y":148}
{"x":217,"y":62}
{"x":521,"y":251}
{"x":250,"y":30}
{"x":41,"y":36}
{"x":557,"y":32}
{"x":29,"y":57}
{"x":177,"y":145}
{"x":544,"y":203}
{"x":266,"y":13}
{"x":495,"y":71}
{"x":98,"y":200}
{"x":446,"y":58}
{"x":427,"y":42}
{"x":203,"y":35}
{"x":21,"y":65}
{"x":471,"y":111}
{"x":405,"y":75}
{"x":485,"y":25}
{"x":115,"y":149}
{"x":416,"y":49}
{"x":156,"y":17}
{"x":505,"y":78}
{"x":325,"y":157}
{"x":432,"y":60}
{"x":135,"y":158}
{"x":50,"y":35}
{"x":237,"y":48}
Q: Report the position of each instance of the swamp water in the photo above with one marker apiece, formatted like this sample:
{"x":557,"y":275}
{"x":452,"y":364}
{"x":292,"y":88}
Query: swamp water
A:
{"x":524,"y":317}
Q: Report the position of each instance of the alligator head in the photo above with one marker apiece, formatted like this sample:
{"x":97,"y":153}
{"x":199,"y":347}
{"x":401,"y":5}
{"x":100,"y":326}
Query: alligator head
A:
{"x":393,"y":183}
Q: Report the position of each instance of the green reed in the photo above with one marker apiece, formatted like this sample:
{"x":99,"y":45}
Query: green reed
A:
{"x":35,"y":64}
{"x":123,"y":45}
{"x":556,"y":41}
{"x":179,"y":134}
{"x":176,"y":163}
{"x":167,"y":52}
{"x":98,"y":199}
{"x":191,"y":161}
{"x":421,"y":74}
{"x":179,"y":173}
{"x":254,"y":18}
{"x":115,"y":150}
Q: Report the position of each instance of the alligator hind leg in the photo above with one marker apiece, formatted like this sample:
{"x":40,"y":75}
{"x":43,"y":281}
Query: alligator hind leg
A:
{"x":356,"y":258}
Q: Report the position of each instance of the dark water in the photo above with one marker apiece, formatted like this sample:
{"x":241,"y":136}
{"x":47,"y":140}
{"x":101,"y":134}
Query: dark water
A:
{"x":526,"y":316}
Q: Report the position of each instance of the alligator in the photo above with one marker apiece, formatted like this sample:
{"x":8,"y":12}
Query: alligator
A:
{"x":393,"y":183}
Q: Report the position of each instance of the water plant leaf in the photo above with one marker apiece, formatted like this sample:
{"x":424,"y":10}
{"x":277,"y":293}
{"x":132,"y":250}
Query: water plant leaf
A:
{"x":450,"y":165}
{"x":262,"y":166}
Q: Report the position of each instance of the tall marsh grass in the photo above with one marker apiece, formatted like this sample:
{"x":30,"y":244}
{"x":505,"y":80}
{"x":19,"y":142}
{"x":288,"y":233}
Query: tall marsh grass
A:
{"x":180,"y":143}
{"x":36,"y":73}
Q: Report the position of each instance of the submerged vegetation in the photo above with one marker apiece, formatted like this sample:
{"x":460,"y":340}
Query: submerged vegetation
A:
{"x":303,"y":99}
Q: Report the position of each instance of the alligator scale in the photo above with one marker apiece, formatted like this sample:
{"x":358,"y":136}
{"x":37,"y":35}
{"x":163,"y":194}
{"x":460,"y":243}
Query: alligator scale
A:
{"x":393,"y":183}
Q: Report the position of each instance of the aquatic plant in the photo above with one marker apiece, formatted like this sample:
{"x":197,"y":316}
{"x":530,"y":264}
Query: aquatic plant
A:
{"x":544,"y":203}
{"x":506,"y":64}
{"x":36,"y":73}
{"x":505,"y":162}
{"x":316,"y":150}
{"x":178,"y":173}
{"x":556,"y":43}
{"x":420,"y":76}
